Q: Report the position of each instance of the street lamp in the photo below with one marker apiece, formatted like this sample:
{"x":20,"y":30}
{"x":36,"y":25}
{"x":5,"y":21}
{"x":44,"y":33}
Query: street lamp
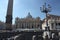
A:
{"x":45,"y":9}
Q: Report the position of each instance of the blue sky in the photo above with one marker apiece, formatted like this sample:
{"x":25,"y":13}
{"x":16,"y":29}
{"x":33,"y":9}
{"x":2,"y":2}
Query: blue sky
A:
{"x":22,"y":7}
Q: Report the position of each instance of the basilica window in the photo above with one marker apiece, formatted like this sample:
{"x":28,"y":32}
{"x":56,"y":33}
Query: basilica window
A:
{"x":32,"y":26}
{"x":59,"y":24}
{"x":38,"y":26}
{"x":52,"y":25}
{"x":22,"y":26}
{"x":56,"y":24}
{"x":27,"y":26}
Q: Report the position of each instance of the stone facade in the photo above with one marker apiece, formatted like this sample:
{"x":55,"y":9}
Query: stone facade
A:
{"x":28,"y":22}
{"x":53,"y":22}
{"x":2,"y":25}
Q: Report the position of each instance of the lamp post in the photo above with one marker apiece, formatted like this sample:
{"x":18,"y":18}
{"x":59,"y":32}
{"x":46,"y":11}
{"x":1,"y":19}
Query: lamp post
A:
{"x":45,"y":9}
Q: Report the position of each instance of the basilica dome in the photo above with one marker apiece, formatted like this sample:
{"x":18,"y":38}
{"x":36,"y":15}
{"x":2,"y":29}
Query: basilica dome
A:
{"x":29,"y":15}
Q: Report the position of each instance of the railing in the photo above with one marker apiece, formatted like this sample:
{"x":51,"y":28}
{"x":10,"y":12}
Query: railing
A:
{"x":35,"y":29}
